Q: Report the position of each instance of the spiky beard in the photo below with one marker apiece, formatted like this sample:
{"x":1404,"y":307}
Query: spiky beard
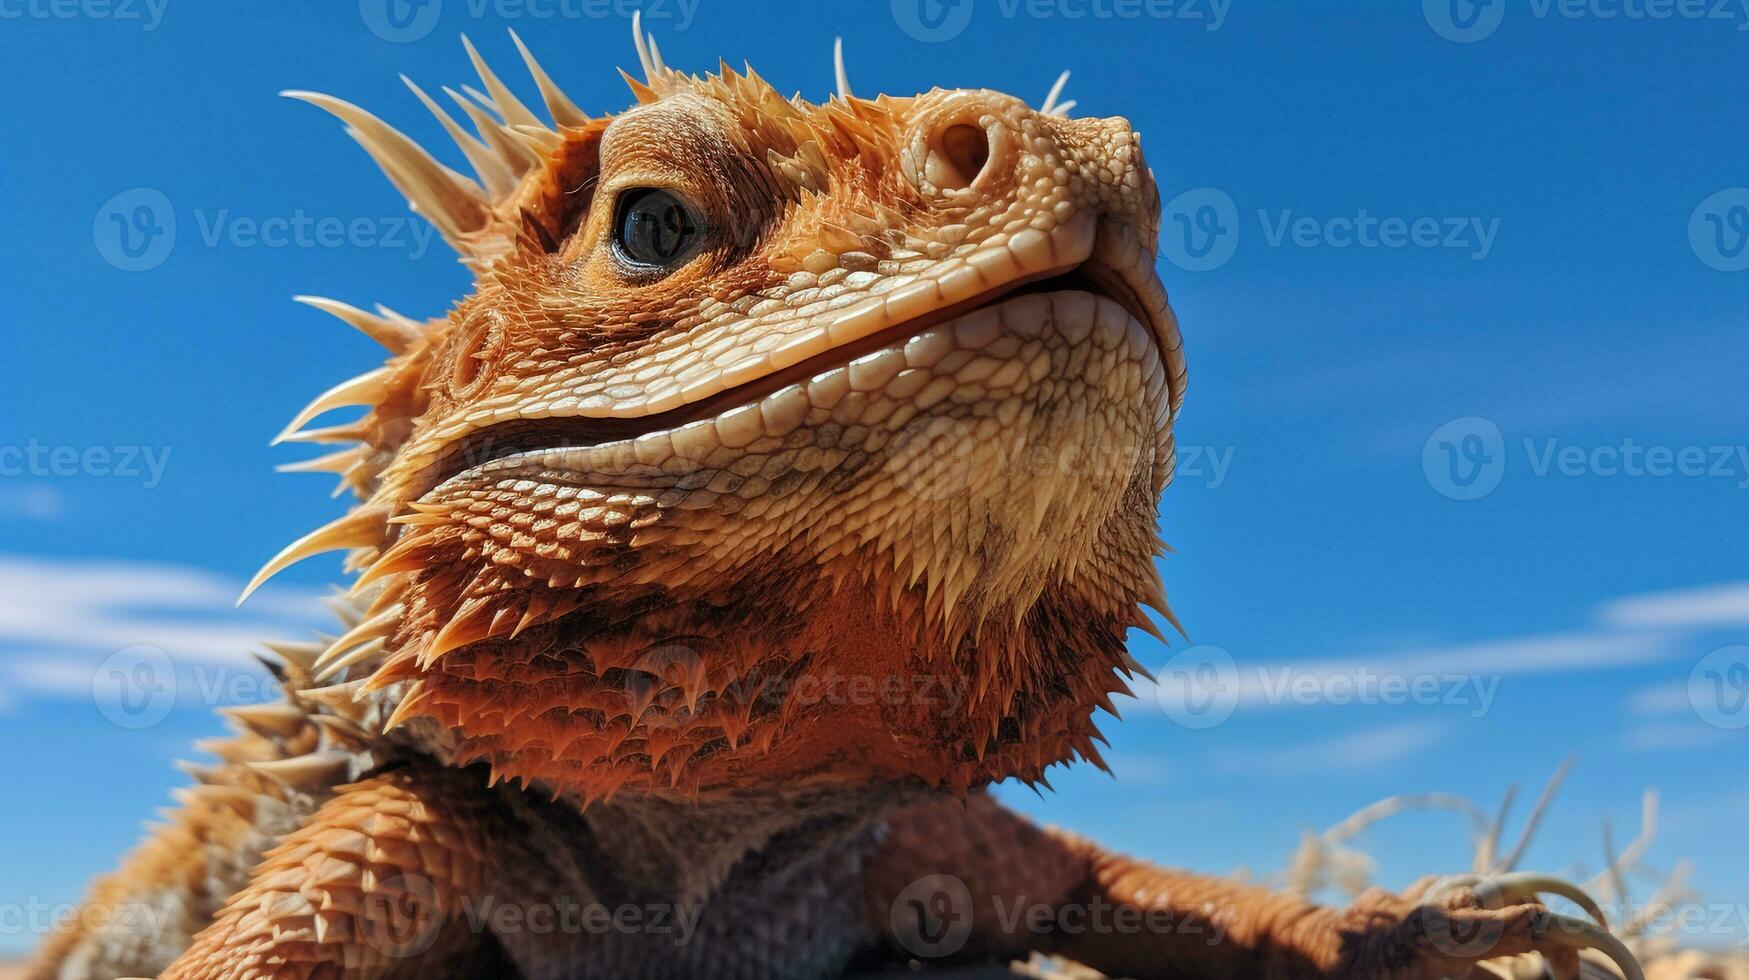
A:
{"x":790,"y":675}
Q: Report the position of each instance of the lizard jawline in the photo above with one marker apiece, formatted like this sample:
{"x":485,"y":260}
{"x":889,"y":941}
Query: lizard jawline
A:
{"x":519,"y":436}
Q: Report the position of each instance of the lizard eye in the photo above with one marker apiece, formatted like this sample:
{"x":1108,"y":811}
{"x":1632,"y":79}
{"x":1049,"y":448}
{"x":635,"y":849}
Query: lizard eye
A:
{"x":653,"y":229}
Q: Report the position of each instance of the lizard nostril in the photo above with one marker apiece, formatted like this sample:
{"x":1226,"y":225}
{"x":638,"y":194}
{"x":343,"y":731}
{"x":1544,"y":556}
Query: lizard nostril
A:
{"x":960,"y":152}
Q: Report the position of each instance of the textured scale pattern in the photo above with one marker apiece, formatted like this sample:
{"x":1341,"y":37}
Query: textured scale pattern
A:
{"x":719,"y":589}
{"x":357,"y":889}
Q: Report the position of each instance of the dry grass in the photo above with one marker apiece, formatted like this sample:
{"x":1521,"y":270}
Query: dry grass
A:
{"x":1642,"y":896}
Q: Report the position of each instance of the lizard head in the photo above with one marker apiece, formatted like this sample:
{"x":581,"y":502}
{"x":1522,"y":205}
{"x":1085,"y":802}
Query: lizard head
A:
{"x":775,"y":444}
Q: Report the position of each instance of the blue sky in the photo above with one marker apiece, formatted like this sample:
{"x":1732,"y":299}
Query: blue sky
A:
{"x":1420,"y":254}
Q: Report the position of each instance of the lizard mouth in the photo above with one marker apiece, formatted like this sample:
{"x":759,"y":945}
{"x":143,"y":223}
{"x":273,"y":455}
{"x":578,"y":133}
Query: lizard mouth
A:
{"x":1125,"y":285}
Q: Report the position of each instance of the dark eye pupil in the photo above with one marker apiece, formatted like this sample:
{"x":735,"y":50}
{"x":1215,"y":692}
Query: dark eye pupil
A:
{"x":654,"y":227}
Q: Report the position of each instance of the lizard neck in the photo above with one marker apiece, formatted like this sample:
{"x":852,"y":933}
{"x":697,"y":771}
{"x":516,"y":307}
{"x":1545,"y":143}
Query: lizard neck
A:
{"x":696,"y":878}
{"x":686,"y":851}
{"x":649,"y":849}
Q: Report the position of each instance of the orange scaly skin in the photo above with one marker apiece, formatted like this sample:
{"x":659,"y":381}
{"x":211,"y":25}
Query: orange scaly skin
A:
{"x":788,"y":476}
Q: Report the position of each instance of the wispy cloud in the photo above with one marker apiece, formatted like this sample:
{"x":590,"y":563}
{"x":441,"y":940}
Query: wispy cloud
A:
{"x":1633,"y":631}
{"x":1711,"y":606}
{"x":1368,"y":748}
{"x":1666,"y":735}
{"x":1668,"y":698}
{"x":1450,"y":673}
{"x":62,"y":617}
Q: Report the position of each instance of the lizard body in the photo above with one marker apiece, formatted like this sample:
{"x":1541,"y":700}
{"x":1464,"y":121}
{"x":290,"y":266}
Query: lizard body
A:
{"x":788,"y":476}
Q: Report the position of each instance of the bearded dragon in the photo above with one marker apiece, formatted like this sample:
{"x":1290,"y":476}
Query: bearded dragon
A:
{"x":787,"y":477}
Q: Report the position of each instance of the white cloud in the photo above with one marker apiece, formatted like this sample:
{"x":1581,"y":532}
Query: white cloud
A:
{"x":1368,"y":748}
{"x":1635,"y":630}
{"x":1443,"y":669}
{"x":62,"y":617}
{"x":1668,"y":698}
{"x":67,"y":677}
{"x":1657,"y":736}
{"x":1698,"y":608}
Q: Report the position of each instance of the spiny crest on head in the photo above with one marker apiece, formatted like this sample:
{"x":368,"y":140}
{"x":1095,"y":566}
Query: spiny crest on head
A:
{"x":511,"y":141}
{"x":474,"y":215}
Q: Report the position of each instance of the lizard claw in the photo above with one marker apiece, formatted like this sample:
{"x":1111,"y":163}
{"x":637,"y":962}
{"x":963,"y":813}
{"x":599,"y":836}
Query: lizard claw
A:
{"x":1458,"y":923}
{"x":1518,"y":888}
{"x":1456,"y":926}
{"x":1579,"y":935}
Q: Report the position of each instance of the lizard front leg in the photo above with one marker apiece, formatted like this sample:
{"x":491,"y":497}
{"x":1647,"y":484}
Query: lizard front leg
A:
{"x":975,"y":879}
{"x":372,"y":882}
